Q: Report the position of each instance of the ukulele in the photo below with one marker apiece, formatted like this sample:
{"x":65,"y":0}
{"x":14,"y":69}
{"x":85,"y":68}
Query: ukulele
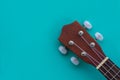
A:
{"x":75,"y":38}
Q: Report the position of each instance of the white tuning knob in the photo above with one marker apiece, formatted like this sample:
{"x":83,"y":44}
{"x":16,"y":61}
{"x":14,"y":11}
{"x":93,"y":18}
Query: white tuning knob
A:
{"x":74,"y":60}
{"x":87,"y":24}
{"x":62,"y":49}
{"x":99,"y":36}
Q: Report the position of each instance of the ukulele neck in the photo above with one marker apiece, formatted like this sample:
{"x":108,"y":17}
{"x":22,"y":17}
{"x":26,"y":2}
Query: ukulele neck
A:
{"x":110,"y":70}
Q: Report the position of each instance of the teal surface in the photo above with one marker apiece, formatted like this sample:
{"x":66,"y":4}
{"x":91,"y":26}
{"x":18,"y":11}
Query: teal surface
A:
{"x":29,"y":31}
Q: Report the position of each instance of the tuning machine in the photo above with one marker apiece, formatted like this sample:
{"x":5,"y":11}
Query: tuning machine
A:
{"x":63,"y":50}
{"x":87,"y":25}
{"x":99,"y":36}
{"x":74,"y":60}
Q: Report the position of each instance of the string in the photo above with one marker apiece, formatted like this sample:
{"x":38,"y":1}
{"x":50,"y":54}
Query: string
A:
{"x":83,"y":51}
{"x":96,"y":65}
{"x":100,"y":69}
{"x":105,"y":73}
{"x":115,"y":75}
{"x":91,"y":59}
{"x":88,"y":45}
{"x":99,"y":55}
{"x":109,"y":62}
{"x":96,"y":53}
{"x":110,"y":69}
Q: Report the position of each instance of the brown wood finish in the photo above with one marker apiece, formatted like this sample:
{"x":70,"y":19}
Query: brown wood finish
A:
{"x":70,"y":32}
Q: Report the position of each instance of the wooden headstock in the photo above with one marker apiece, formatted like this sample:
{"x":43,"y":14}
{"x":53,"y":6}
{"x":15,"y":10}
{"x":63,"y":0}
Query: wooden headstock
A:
{"x":77,"y":39}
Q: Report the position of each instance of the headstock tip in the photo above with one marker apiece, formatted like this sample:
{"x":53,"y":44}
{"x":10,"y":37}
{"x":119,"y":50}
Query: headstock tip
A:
{"x":76,"y":23}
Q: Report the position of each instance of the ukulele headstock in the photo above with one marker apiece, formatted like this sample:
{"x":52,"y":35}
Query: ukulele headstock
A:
{"x":75,"y":38}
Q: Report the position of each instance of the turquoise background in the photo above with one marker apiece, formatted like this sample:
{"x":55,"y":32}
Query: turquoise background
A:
{"x":29,"y":31}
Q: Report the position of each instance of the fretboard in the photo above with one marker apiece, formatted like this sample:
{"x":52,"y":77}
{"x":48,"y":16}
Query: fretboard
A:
{"x":110,"y":70}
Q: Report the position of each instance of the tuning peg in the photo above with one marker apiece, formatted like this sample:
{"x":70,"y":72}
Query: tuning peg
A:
{"x":87,"y":24}
{"x":62,"y":49}
{"x":83,"y":53}
{"x":99,"y":36}
{"x":74,"y":60}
